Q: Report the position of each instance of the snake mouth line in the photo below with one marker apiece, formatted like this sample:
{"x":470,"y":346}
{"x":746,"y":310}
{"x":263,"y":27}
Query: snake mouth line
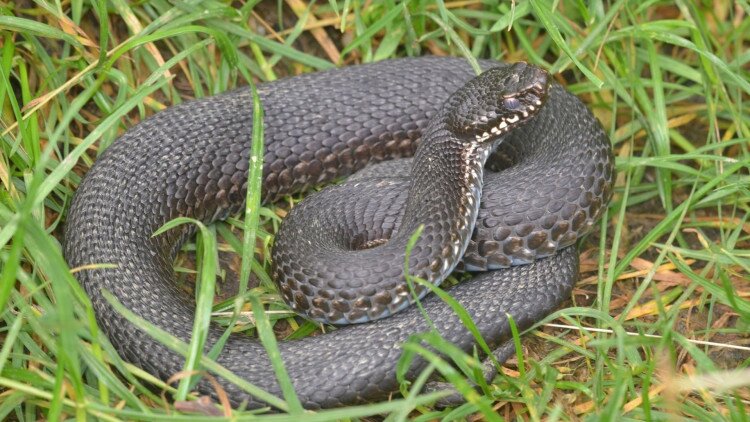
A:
{"x":506,"y":125}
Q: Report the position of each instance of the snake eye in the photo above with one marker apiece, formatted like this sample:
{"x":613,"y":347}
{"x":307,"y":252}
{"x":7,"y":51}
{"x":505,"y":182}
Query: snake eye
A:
{"x":511,"y":103}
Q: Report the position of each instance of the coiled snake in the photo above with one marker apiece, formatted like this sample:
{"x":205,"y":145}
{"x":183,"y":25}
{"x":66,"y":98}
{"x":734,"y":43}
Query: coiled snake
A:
{"x":544,"y":187}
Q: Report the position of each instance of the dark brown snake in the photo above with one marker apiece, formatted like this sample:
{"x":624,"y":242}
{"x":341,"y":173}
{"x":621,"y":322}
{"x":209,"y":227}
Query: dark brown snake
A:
{"x":340,"y":255}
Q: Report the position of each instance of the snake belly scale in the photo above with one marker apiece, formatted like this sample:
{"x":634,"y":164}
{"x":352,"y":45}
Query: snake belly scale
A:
{"x":543,"y":188}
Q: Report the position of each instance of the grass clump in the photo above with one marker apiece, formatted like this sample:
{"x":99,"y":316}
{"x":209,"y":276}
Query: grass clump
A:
{"x":662,"y":310}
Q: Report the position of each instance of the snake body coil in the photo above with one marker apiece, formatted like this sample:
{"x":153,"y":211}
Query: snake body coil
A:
{"x":192,"y":160}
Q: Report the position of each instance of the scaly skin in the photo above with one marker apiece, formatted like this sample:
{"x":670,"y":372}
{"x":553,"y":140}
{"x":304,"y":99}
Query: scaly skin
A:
{"x":192,"y":159}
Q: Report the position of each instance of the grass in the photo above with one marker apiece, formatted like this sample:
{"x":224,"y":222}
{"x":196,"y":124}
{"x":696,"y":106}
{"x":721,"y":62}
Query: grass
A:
{"x":658,"y":327}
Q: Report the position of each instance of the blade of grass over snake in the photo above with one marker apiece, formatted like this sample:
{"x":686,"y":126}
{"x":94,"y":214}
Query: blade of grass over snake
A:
{"x":413,"y":348}
{"x":183,"y":349}
{"x":403,"y":413}
{"x":267,"y":338}
{"x":205,"y":297}
{"x":446,"y":297}
{"x":252,"y":199}
{"x":102,"y":411}
{"x":252,"y":209}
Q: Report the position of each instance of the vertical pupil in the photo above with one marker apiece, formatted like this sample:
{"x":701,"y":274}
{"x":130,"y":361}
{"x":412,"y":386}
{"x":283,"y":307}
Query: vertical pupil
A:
{"x":511,"y":103}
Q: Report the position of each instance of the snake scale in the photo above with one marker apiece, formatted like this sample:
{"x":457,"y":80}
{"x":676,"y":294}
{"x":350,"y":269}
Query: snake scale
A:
{"x":539,"y":190}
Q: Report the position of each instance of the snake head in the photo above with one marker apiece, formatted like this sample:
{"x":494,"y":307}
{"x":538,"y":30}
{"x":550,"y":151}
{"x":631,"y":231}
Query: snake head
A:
{"x":497,"y":101}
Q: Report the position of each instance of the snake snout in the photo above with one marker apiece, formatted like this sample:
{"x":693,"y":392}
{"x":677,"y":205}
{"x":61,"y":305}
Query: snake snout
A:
{"x":497,"y":101}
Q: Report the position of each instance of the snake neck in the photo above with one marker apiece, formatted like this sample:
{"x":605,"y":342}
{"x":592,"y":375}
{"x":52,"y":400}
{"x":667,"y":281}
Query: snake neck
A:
{"x":444,"y":200}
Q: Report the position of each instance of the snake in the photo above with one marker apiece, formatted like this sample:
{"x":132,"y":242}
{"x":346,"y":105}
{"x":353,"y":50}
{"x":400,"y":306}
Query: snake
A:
{"x":497,"y":174}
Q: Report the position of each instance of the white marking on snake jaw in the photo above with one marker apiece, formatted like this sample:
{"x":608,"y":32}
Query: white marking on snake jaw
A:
{"x":483,"y":137}
{"x":503,"y":125}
